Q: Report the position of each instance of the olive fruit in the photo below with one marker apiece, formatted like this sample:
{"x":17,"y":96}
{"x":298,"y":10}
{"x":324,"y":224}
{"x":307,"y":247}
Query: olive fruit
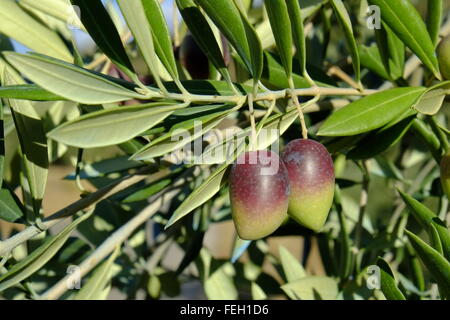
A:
{"x":259,"y":193}
{"x":193,"y":58}
{"x":443,"y":54}
{"x":311,"y":178}
{"x":445,"y":173}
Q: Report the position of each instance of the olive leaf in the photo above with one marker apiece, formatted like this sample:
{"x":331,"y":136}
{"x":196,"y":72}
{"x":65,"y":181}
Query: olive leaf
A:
{"x":370,"y":112}
{"x":387,"y":281}
{"x":404,"y":20}
{"x":19,"y":25}
{"x":68,"y":80}
{"x":112,"y":126}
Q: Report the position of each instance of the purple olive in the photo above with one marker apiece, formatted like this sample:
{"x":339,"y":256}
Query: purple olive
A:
{"x":193,"y":58}
{"x":311,"y":177}
{"x":259,"y":194}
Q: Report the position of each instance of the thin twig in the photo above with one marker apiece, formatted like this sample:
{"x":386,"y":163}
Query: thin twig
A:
{"x":115,"y":239}
{"x":95,"y":197}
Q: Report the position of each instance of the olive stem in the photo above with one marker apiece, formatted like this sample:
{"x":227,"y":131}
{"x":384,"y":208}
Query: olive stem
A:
{"x":253,"y":138}
{"x":263,"y":120}
{"x":118,"y":237}
{"x":270,"y":95}
{"x":338,"y":72}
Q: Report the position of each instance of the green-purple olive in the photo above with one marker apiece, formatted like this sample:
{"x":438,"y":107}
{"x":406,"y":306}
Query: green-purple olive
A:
{"x":311,"y":178}
{"x":259,"y":194}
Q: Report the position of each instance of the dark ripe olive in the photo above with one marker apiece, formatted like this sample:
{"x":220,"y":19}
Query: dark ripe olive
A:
{"x":259,"y":194}
{"x":193,"y":59}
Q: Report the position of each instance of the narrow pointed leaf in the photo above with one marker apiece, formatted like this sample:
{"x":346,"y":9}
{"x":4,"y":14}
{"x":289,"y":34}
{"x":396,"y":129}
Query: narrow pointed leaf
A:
{"x":32,"y":142}
{"x":134,"y":14}
{"x":312,"y":288}
{"x":392,"y":51}
{"x":426,"y":218}
{"x":9,"y":209}
{"x":200,"y":195}
{"x":69,"y":81}
{"x":161,"y":35}
{"x":371,"y":59}
{"x":388,"y":283}
{"x":298,"y":34}
{"x":292,"y":268}
{"x":346,"y":25}
{"x":438,"y":266}
{"x":277,"y":11}
{"x":227,"y":18}
{"x":431,"y":101}
{"x":403,"y":18}
{"x":28,"y":92}
{"x":111,"y":126}
{"x":370,"y":112}
{"x":434,"y":19}
{"x":18,"y":25}
{"x":180,"y":135}
{"x":101,"y":28}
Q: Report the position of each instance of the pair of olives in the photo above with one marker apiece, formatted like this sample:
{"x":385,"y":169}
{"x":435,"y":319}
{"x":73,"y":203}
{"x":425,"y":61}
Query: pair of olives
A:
{"x":265,"y":189}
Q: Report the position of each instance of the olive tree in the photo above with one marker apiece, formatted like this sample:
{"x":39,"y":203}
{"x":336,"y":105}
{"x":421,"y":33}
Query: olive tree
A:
{"x":349,"y":97}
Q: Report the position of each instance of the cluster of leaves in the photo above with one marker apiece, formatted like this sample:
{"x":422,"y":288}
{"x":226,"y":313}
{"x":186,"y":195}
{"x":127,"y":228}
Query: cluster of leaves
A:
{"x":136,"y":91}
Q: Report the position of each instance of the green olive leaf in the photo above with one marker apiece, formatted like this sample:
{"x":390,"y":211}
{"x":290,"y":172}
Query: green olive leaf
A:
{"x":312,"y":288}
{"x":292,"y":268}
{"x":371,"y":59}
{"x":387,"y":281}
{"x":404,"y":20}
{"x":427,"y":218}
{"x":112,"y":126}
{"x":10,"y":209}
{"x":346,"y":25}
{"x":68,"y":80}
{"x":431,"y":101}
{"x":434,"y":19}
{"x":161,"y":35}
{"x":277,"y":10}
{"x":33,"y":142}
{"x":370,"y":112}
{"x":19,"y":25}
{"x":101,"y":28}
{"x":298,"y":33}
{"x":438,"y":266}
